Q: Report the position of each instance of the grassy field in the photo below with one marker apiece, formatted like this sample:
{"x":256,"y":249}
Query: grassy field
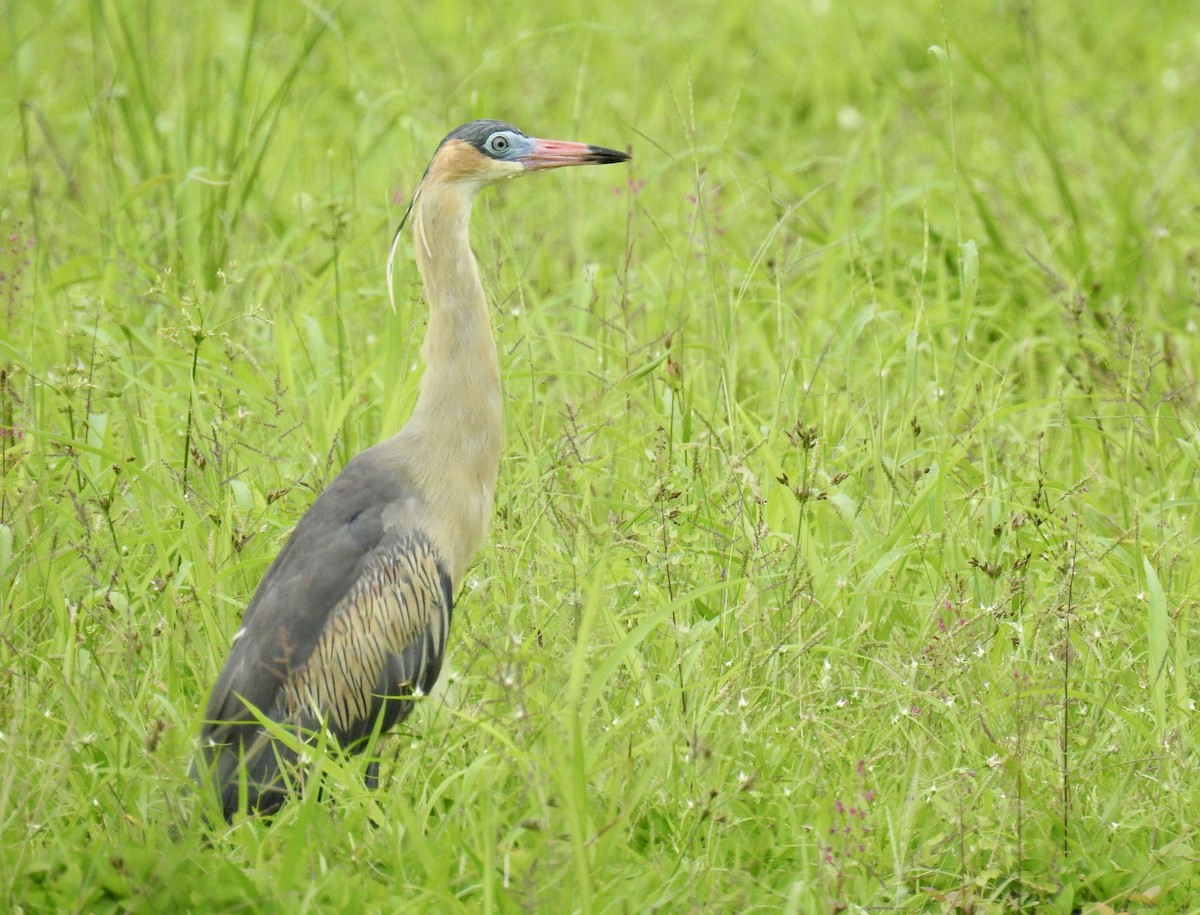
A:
{"x":847,"y":548}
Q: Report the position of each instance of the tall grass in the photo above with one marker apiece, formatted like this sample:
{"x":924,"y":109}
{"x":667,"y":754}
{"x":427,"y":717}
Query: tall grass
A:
{"x":845,"y":554}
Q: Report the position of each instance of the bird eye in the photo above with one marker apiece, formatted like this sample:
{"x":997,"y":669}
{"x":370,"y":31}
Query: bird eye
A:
{"x":498,"y":144}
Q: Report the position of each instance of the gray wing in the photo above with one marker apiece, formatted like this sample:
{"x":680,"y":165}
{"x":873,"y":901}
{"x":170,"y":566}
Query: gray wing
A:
{"x":349,"y":621}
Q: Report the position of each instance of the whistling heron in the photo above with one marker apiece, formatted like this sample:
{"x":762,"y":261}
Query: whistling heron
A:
{"x":351,"y":619}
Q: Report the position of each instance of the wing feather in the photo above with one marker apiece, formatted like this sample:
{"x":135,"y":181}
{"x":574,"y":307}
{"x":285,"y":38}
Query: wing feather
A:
{"x":362,"y":665}
{"x":348,"y":623}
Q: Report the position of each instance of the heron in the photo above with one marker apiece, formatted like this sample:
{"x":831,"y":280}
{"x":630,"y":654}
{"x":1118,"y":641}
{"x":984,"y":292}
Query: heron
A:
{"x":349,"y":624}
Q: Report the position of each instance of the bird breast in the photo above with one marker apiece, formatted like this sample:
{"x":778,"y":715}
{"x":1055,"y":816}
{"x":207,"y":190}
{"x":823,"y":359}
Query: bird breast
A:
{"x":454,"y":465}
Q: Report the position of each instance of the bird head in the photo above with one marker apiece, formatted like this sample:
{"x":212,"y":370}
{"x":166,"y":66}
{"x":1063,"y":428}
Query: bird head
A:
{"x":483,"y":152}
{"x":486,"y":151}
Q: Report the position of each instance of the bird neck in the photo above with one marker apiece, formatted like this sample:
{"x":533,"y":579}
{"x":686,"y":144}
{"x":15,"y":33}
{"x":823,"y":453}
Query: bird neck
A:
{"x":457,"y":423}
{"x":460,"y":331}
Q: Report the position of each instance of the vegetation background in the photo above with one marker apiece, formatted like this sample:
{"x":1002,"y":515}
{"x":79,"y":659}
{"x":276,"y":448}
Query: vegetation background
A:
{"x":846,"y":548}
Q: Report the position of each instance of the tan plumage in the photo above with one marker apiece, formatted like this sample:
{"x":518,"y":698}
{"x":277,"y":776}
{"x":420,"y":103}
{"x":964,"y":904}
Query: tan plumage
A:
{"x":398,"y":605}
{"x":352,"y":618}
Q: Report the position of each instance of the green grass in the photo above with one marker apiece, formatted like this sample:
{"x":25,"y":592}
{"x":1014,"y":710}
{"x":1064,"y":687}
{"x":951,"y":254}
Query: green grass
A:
{"x":846,"y":549}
